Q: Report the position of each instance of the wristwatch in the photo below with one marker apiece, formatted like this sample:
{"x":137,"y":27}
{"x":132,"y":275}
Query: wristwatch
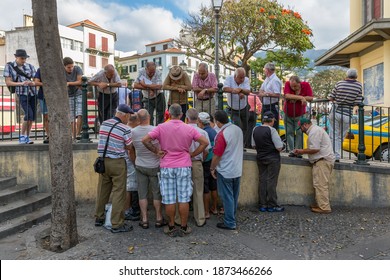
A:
{"x":108,"y":85}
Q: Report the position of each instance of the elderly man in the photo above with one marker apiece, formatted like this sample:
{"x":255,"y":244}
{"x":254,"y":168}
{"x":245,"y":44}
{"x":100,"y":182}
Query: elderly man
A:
{"x":345,"y":95}
{"x":179,"y":84}
{"x":175,"y":139}
{"x":115,"y":135}
{"x":197,"y":169}
{"x":149,"y":81}
{"x":204,"y":85}
{"x":321,"y":156}
{"x":297,"y":94}
{"x":107,"y":81}
{"x":237,"y":88}
{"x":18,"y":74}
{"x":270,"y":92}
{"x":226,"y":167}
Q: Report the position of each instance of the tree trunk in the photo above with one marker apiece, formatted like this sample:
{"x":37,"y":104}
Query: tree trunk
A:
{"x":47,"y":41}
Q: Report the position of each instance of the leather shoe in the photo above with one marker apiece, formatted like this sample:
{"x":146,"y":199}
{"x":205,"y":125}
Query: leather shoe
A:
{"x":319,"y":210}
{"x":223,"y":226}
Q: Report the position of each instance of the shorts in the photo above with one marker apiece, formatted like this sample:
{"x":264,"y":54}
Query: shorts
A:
{"x":75,"y":104}
{"x":43,"y":106}
{"x":148,"y":180}
{"x":28,"y":105}
{"x":210,"y":184}
{"x":175,"y":183}
{"x":131,"y":183}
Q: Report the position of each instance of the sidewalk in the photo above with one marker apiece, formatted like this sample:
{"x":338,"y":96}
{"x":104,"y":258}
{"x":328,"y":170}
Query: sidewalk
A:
{"x":296,"y":234}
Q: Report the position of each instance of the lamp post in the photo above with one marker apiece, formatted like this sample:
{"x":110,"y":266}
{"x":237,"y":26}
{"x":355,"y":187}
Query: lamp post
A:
{"x":183,"y":65}
{"x":217,"y":6}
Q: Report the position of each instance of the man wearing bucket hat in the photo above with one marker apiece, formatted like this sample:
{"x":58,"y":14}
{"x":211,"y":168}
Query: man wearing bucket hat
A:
{"x":178,"y":83}
{"x":320,"y":152}
{"x":19,"y":74}
{"x":268,"y":145}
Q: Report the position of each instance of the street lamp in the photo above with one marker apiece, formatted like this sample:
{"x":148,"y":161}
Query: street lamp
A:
{"x":217,"y":6}
{"x":183,"y":65}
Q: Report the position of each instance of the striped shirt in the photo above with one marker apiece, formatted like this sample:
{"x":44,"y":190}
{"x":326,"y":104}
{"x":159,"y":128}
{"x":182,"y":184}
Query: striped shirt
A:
{"x":346,"y":94}
{"x":28,"y":69}
{"x":120,"y":137}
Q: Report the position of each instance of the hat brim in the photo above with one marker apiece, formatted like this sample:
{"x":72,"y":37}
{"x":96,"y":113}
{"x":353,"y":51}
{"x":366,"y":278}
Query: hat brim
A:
{"x":177,"y":77}
{"x":23,"y":56}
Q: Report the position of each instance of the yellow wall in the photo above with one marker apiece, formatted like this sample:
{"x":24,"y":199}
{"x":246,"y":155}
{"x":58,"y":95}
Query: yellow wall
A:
{"x":351,"y":185}
{"x":355,"y":15}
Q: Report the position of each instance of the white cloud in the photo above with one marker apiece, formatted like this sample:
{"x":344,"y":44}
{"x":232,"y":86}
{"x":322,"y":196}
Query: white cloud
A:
{"x":191,"y":5}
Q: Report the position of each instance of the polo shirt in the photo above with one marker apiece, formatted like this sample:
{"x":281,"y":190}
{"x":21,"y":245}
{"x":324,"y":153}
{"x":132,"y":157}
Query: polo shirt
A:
{"x":209,"y":82}
{"x":101,"y":77}
{"x":294,"y":108}
{"x":233,"y":100}
{"x":271,"y":84}
{"x":319,"y":139}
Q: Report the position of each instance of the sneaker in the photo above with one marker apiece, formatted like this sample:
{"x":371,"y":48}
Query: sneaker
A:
{"x":223,"y":226}
{"x":184,"y":232}
{"x":28,"y":141}
{"x":263,"y":209}
{"x":173,"y":232}
{"x":78,"y":137}
{"x":99,"y":222}
{"x":319,"y":210}
{"x":22,"y":139}
{"x":46,"y":141}
{"x":123,"y":228}
{"x":276,"y":209}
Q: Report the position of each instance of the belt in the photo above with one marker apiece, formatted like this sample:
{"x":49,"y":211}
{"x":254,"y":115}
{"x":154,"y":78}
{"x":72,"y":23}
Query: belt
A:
{"x":318,"y":160}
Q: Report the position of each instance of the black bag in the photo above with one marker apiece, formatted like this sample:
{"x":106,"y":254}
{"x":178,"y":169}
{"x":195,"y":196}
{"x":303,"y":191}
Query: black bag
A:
{"x":18,"y":72}
{"x":99,"y":166}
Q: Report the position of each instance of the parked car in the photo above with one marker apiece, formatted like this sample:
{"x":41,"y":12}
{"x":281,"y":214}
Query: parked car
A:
{"x":376,"y":138}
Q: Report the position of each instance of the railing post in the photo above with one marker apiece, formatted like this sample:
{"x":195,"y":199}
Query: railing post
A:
{"x":85,"y":133}
{"x":220,"y":96}
{"x":361,"y":157}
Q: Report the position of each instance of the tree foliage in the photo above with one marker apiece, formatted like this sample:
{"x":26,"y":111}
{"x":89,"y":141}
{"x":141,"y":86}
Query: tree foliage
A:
{"x":246,"y":26}
{"x":323,"y":82}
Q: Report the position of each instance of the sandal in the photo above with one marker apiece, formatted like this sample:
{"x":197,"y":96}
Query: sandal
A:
{"x":144,"y":225}
{"x":214,"y":211}
{"x":221,"y":211}
{"x":160,"y":223}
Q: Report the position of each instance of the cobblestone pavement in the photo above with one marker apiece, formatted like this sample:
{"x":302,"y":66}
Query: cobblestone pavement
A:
{"x":296,"y":234}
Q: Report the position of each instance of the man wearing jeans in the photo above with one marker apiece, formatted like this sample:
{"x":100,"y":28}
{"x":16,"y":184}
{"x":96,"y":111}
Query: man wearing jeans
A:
{"x":226,"y":167}
{"x":237,"y":88}
{"x":345,"y":95}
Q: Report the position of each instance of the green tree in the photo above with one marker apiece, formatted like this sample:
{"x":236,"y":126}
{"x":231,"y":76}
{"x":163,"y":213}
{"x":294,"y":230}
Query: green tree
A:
{"x":246,"y":26}
{"x":323,"y":82}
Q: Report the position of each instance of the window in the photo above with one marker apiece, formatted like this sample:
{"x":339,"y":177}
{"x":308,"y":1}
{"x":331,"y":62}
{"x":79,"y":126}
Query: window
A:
{"x":133,"y":68}
{"x":143,"y":63}
{"x":66,"y":43}
{"x":104,"y":61}
{"x":92,"y":61}
{"x":174,"y":60}
{"x":125,"y":70}
{"x":157,"y":61}
{"x":92,"y":41}
{"x":104,"y":44}
{"x":78,"y":46}
{"x":153,"y":49}
{"x":165,"y":46}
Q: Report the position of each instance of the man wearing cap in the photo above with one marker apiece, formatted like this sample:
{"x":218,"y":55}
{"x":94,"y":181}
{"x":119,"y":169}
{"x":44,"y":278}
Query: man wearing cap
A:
{"x":237,"y":88}
{"x":19,"y":74}
{"x":210,"y":184}
{"x":268,"y":145}
{"x":149,"y":81}
{"x":178,"y":83}
{"x":345,"y":95}
{"x":270,"y":92}
{"x":107,"y":82}
{"x":321,"y":156}
{"x":226,"y":167}
{"x":116,"y":134}
{"x":175,"y":138}
{"x":297,"y":94}
{"x":204,"y":85}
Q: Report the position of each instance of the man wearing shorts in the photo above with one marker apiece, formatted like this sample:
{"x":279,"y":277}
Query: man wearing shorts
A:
{"x":175,"y":138}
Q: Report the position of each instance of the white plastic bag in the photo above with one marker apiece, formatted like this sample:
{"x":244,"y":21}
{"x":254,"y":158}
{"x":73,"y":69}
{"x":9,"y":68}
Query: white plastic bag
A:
{"x":107,"y":222}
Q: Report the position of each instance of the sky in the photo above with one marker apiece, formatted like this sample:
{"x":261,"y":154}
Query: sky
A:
{"x":139,"y":22}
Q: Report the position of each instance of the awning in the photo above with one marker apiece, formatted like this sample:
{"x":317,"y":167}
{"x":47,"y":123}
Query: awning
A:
{"x":362,"y":41}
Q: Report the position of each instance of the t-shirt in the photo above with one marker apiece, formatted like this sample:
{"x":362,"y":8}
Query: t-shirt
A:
{"x":195,"y":145}
{"x":294,"y":108}
{"x":40,"y":91}
{"x":144,"y":157}
{"x":233,"y":100}
{"x":175,"y":139}
{"x":72,"y":77}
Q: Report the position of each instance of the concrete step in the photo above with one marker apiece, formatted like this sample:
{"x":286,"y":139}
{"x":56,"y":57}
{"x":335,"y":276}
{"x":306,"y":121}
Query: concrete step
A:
{"x":15,"y":193}
{"x":24,"y":206}
{"x":7,"y":182}
{"x":24,"y":222}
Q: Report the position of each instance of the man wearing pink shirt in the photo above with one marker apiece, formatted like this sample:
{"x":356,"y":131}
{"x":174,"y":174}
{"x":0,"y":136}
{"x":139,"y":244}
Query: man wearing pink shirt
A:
{"x":204,"y":85}
{"x":255,"y":107}
{"x":175,"y":138}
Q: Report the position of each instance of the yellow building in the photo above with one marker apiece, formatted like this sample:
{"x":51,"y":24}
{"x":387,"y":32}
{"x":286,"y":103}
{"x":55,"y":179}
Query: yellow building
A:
{"x":367,"y":49}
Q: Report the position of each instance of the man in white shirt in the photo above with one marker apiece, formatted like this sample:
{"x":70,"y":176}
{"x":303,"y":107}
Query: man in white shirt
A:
{"x":237,"y":88}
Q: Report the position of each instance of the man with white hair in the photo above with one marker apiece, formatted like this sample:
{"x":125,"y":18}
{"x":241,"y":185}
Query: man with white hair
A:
{"x":345,"y":95}
{"x":237,"y":88}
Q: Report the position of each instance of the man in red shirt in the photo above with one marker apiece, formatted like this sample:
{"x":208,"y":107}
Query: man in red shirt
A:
{"x":297,"y":94}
